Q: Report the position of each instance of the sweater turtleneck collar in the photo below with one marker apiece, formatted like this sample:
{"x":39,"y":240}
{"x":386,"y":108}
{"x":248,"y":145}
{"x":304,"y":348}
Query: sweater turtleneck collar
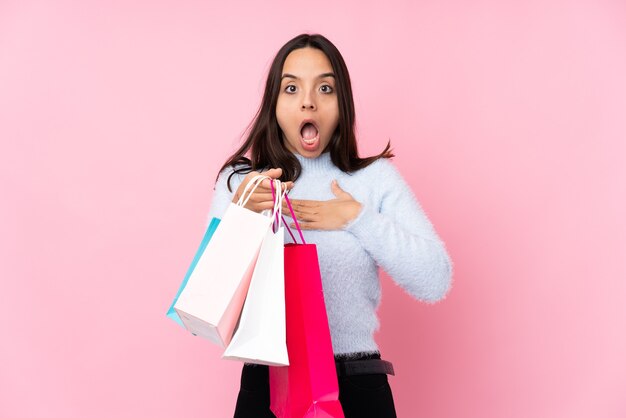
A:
{"x":321,"y":163}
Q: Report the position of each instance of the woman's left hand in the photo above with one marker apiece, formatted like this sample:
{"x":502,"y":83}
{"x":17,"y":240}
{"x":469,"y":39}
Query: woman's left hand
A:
{"x":328,"y":214}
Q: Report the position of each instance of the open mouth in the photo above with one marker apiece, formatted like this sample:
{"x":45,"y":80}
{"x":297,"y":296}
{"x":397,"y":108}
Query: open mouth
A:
{"x":309,"y":133}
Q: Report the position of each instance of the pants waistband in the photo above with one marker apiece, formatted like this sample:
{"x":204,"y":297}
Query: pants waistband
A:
{"x":350,"y":365}
{"x":362,"y":364}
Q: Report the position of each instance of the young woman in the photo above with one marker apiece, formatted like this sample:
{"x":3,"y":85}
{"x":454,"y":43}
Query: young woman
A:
{"x":359,"y":212}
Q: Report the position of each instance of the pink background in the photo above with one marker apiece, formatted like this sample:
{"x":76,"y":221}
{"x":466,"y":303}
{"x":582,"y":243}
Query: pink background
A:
{"x":507,"y":118}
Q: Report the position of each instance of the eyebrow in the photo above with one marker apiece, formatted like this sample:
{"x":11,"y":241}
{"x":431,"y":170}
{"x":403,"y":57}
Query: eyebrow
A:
{"x":319,"y":76}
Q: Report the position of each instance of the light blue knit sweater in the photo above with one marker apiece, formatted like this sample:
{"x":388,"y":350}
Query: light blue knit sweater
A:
{"x":391,"y":231}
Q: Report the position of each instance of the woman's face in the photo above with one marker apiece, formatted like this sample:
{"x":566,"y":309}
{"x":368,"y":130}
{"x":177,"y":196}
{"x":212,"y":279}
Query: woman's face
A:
{"x":307,"y":109}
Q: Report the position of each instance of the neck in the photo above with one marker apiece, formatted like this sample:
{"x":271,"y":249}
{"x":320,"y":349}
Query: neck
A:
{"x":320,"y":163}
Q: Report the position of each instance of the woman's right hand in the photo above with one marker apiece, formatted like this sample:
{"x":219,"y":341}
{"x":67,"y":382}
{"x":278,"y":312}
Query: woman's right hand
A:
{"x":261,"y":198}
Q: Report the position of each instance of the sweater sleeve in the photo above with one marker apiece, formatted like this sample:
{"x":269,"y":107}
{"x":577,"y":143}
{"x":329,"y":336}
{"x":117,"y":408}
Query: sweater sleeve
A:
{"x":401,"y":239}
{"x":222,"y":197}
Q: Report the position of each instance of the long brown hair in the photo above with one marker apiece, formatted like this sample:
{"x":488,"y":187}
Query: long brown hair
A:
{"x":264,"y":143}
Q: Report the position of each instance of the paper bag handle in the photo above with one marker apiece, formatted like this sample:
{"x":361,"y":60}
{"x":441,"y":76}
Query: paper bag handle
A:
{"x":293,"y":216}
{"x":278,"y":209}
{"x":254,"y":183}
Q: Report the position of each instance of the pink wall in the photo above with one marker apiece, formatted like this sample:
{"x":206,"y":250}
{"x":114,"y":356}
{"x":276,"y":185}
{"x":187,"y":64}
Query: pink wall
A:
{"x":507,"y":118}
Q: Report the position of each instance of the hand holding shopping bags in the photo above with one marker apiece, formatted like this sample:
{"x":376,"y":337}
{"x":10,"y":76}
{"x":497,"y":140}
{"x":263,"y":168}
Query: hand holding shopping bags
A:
{"x":210,"y":303}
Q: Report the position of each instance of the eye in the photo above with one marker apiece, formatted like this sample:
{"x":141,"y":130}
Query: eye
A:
{"x":329,"y":89}
{"x":287,"y":88}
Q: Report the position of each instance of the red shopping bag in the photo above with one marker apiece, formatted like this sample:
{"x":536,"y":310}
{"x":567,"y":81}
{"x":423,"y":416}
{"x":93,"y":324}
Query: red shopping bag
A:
{"x":308,"y":386}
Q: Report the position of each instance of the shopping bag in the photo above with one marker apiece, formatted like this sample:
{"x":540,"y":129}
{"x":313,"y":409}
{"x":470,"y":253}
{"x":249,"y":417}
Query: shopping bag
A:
{"x":308,"y":387}
{"x":260,"y":335}
{"x":211,"y":302}
{"x":171,"y":312}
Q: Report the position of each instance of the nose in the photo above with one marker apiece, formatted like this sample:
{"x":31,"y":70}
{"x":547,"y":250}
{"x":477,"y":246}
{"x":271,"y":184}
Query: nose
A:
{"x":308,"y":102}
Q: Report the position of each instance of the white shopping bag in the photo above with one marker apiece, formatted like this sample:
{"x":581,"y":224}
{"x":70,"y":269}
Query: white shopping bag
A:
{"x":211,"y":302}
{"x":261,"y":334}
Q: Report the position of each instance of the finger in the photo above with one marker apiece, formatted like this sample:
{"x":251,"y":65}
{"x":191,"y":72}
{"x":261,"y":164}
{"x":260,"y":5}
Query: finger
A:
{"x":266,"y":187}
{"x":262,"y":197}
{"x":301,"y":211}
{"x":245,"y":182}
{"x":274,"y":173}
{"x":308,"y":217}
{"x":287,"y":212}
{"x":259,"y":207}
{"x":296,"y":203}
{"x":338,"y":191}
{"x":307,"y":211}
{"x":304,"y":203}
{"x":266,"y":184}
{"x":248,"y":178}
{"x":306,"y":226}
{"x":250,"y":175}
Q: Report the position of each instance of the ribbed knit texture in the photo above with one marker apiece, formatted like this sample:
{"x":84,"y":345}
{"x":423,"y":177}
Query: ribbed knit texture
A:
{"x":391,"y":231}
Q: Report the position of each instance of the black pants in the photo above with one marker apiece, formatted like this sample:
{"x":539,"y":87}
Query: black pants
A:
{"x":361,"y":396}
